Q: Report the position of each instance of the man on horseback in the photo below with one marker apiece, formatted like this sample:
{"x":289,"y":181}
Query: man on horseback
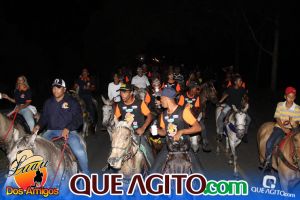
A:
{"x":62,"y":116}
{"x":114,"y":89}
{"x":132,"y":109}
{"x":152,"y":98}
{"x":236,"y":95}
{"x":192,"y":100}
{"x":85,"y":84}
{"x":176,"y":122}
{"x":287,"y":117}
{"x":140,"y":81}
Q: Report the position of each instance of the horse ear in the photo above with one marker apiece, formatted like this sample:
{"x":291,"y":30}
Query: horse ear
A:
{"x":116,"y":120}
{"x":106,"y":102}
{"x":32,"y":139}
{"x":234,"y":108}
{"x":246,"y":108}
{"x":16,"y":135}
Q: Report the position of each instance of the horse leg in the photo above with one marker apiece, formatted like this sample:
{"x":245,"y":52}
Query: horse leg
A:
{"x":195,"y":143}
{"x":227,"y":145}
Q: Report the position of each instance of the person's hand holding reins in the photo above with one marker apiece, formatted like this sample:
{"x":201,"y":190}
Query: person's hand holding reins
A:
{"x":178,"y":135}
{"x":36,"y":129}
{"x":65,"y":133}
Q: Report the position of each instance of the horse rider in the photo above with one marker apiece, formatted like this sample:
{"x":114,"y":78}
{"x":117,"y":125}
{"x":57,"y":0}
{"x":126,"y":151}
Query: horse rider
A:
{"x":178,"y":122}
{"x":235,"y":95}
{"x":140,"y":81}
{"x":114,"y":89}
{"x":131,"y":109}
{"x":62,"y":116}
{"x":152,"y":98}
{"x":86,"y":85}
{"x":171,"y":82}
{"x":287,"y":117}
{"x":178,"y":76}
{"x":192,"y":100}
{"x":22,"y":99}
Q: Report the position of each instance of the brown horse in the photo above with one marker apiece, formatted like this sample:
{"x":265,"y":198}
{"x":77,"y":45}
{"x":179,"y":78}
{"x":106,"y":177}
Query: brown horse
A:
{"x":285,"y":159}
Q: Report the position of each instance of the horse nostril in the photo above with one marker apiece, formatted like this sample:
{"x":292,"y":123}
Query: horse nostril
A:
{"x":111,"y":161}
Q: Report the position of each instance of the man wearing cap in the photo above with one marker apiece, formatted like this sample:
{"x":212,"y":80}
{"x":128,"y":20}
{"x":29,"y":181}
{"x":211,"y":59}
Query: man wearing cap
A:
{"x":192,"y":100}
{"x":62,"y":116}
{"x":140,"y":81}
{"x":235,"y":95}
{"x":152,"y":98}
{"x":177,"y":122}
{"x":135,"y":110}
{"x":287,"y":117}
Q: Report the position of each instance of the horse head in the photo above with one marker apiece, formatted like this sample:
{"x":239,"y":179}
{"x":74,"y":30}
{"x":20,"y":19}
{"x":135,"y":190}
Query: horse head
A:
{"x":238,"y":119}
{"x":121,"y":144}
{"x":107,"y":110}
{"x":22,"y":143}
{"x":208,"y":92}
{"x":140,"y":93}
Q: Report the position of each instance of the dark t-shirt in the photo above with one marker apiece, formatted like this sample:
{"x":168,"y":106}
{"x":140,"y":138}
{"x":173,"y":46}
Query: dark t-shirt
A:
{"x":84,"y":83}
{"x":235,"y":96}
{"x":21,"y":97}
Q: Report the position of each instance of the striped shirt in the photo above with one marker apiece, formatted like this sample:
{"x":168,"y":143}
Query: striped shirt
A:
{"x":285,"y":114}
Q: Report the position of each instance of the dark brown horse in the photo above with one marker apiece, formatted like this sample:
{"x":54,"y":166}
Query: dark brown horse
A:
{"x":178,"y":159}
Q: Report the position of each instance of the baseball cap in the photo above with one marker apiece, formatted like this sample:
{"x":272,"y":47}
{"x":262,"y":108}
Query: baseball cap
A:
{"x":169,"y":92}
{"x":126,"y":87}
{"x":59,"y":83}
{"x":289,"y":90}
{"x":193,"y":84}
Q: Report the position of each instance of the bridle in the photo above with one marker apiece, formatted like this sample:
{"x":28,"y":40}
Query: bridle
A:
{"x":127,"y":154}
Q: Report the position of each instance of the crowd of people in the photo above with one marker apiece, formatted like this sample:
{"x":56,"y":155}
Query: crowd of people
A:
{"x":172,"y":102}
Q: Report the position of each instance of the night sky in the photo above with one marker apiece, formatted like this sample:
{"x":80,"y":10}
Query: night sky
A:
{"x":48,"y":39}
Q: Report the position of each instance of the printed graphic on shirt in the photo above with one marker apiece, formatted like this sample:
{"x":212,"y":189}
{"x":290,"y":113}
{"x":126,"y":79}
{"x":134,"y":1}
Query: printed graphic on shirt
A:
{"x":172,"y":129}
{"x":65,"y":105}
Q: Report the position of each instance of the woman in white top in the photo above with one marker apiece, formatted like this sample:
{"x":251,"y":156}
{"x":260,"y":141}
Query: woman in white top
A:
{"x":114,"y":89}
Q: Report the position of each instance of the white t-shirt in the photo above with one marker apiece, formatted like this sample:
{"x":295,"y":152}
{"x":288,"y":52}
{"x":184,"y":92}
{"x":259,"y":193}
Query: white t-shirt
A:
{"x":113,"y":92}
{"x":140,"y":82}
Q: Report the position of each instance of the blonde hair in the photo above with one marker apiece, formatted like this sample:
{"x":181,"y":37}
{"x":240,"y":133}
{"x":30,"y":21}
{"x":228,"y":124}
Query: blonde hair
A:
{"x":25,"y":82}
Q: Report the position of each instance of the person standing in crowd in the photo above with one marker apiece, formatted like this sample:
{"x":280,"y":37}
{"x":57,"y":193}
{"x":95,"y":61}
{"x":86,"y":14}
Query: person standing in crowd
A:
{"x":172,"y":83}
{"x":114,"y":89}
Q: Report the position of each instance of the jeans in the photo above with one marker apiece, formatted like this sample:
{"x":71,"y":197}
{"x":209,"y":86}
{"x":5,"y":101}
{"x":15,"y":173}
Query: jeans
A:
{"x":273,"y":140}
{"x":90,"y":107}
{"x":76,"y":146}
{"x":223,"y":114}
{"x":28,"y":116}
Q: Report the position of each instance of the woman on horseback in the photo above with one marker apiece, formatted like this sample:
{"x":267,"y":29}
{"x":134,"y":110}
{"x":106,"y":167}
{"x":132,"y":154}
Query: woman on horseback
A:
{"x":22,"y":99}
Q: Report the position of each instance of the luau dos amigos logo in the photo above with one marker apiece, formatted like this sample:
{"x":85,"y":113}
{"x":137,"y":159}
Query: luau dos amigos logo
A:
{"x":30,"y":175}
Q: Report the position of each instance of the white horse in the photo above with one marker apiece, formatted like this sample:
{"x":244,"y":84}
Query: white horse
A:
{"x":235,"y":128}
{"x":108,"y":116}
